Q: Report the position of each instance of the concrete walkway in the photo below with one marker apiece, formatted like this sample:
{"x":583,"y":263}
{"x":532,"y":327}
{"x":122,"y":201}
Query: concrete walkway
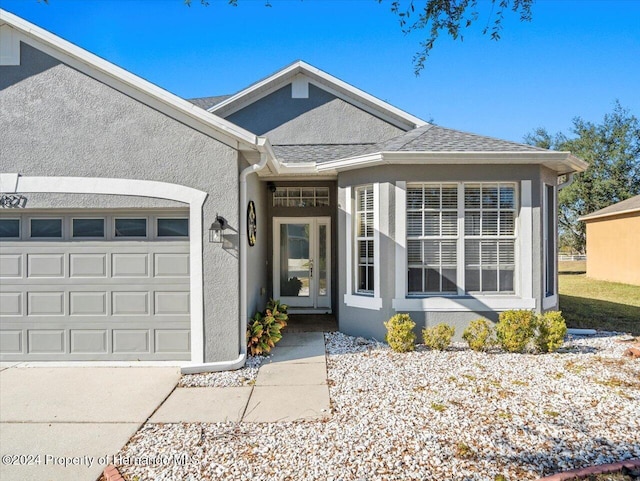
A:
{"x":67,"y":423}
{"x":291,"y":386}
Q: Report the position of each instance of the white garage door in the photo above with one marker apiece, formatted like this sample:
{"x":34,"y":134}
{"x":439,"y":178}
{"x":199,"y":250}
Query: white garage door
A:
{"x":94,"y":286}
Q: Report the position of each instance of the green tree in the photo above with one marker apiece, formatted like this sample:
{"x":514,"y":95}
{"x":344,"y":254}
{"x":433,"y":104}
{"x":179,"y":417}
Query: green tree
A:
{"x":438,"y":16}
{"x":612,"y":150}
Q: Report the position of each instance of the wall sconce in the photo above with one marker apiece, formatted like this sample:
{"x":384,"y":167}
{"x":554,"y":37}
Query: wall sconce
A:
{"x":272,"y":187}
{"x":216,"y":231}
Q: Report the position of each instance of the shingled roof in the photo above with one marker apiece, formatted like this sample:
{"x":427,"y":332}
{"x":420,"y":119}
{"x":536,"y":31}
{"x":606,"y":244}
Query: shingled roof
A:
{"x":626,"y":206}
{"x":308,"y":153}
{"x":433,"y":138}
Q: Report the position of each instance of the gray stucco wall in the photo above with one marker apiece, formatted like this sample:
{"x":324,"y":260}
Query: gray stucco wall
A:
{"x":257,"y":269}
{"x":320,"y":119}
{"x":367,"y":322}
{"x":56,"y":121}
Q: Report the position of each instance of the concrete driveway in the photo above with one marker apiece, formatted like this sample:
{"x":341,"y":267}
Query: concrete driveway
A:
{"x":67,"y":422}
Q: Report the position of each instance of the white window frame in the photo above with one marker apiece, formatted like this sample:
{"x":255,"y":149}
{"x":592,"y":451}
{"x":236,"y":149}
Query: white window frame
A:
{"x":105,"y":228}
{"x":351,"y":298}
{"x":549,"y":301}
{"x":464,"y":302}
{"x":129,"y":238}
{"x":52,"y":217}
{"x":170,"y":237}
{"x":363,"y":238}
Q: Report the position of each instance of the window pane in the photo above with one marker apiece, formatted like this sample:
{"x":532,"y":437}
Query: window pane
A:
{"x":450,"y":197}
{"x":414,"y":198}
{"x":432,"y":253}
{"x":507,"y":223}
{"x":489,"y":253}
{"x":449,"y":223}
{"x":472,"y":252}
{"x":414,"y":252}
{"x":490,"y":223}
{"x":131,"y":227}
{"x":507,"y":197}
{"x":449,"y":253}
{"x":489,"y":280}
{"x":472,"y":223}
{"x":432,"y":223}
{"x":489,"y":196}
{"x":507,"y":252}
{"x":88,"y":227}
{"x":449,"y":283}
{"x":432,"y":197}
{"x":472,"y":196}
{"x":9,"y":228}
{"x":415,"y":280}
{"x":46,"y":228}
{"x":472,"y":278}
{"x":506,"y":280}
{"x":414,"y":223}
{"x":173,"y":227}
{"x":369,"y":226}
{"x":433,"y":280}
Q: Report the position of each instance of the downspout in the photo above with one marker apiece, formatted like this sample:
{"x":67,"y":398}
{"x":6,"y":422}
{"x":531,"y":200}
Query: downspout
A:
{"x":242,"y":356}
{"x":567,"y":182}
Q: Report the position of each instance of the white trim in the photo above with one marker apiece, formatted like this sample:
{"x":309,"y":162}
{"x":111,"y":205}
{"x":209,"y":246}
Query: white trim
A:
{"x":376,"y":240}
{"x":145,"y":188}
{"x":348,"y":205}
{"x":9,"y":46}
{"x":558,"y":161}
{"x":525,"y":236}
{"x":363,"y":302}
{"x":400,"y":238}
{"x":591,"y":217}
{"x":325,"y":81}
{"x":463,"y":304}
{"x":549,"y":302}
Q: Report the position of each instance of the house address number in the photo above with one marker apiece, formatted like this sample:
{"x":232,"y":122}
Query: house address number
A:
{"x":12,"y":201}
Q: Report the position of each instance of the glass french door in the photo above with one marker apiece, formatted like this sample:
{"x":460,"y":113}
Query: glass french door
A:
{"x":301,"y":261}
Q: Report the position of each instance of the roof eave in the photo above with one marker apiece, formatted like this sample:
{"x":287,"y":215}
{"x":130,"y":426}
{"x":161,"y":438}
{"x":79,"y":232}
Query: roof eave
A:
{"x":596,"y":216}
{"x":561,"y":162}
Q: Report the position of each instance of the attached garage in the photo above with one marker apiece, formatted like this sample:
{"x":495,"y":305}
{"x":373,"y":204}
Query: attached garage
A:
{"x":95,"y":285}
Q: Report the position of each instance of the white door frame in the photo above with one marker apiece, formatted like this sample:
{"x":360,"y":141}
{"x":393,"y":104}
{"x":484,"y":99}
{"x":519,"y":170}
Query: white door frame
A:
{"x":318,"y":304}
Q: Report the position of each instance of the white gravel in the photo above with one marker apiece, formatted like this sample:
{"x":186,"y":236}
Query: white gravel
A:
{"x":454,"y":415}
{"x":241,"y":377}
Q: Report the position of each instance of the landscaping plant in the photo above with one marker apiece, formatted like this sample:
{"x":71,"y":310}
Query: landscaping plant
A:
{"x":438,"y":337}
{"x":480,"y":335}
{"x":515,"y":330}
{"x":400,"y":335}
{"x":263,"y":331}
{"x":551,"y":329}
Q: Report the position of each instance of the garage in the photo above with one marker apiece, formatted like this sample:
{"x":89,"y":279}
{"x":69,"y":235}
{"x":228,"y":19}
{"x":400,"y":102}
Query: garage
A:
{"x":94,"y":285}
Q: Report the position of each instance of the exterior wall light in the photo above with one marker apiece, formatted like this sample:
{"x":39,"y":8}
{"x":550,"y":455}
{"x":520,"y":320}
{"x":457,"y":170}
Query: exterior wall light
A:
{"x":216,"y":231}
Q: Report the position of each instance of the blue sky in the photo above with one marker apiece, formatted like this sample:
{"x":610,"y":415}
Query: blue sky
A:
{"x":574,"y":59}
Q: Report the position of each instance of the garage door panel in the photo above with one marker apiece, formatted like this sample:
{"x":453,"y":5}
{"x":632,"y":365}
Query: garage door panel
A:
{"x":130,"y":303}
{"x":88,"y":303}
{"x":89,"y":341}
{"x":171,"y":265}
{"x":171,"y":303}
{"x":172,"y":341}
{"x":11,"y":341}
{"x":130,"y":340}
{"x":45,"y":303}
{"x":11,"y":265}
{"x":45,"y":265}
{"x":87,"y":265}
{"x":46,"y":341}
{"x":11,"y":303}
{"x":130,"y":265}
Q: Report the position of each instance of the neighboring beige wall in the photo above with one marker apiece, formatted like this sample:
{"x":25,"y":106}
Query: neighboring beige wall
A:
{"x":613,"y":248}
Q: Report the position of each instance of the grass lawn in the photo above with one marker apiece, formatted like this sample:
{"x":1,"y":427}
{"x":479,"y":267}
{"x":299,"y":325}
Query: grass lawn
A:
{"x":590,"y":303}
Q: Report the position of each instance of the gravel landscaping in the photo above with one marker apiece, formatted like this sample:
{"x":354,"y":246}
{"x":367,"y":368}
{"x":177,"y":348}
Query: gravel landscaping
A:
{"x":242,"y":377}
{"x":453,"y":415}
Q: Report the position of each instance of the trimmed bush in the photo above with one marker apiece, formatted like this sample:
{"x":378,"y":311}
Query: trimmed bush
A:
{"x":480,"y":335}
{"x":400,"y":335}
{"x":515,"y":330}
{"x":551,"y":331}
{"x":438,"y":337}
{"x":263,"y":330}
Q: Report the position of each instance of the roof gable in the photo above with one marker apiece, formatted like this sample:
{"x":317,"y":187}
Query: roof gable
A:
{"x":623,"y":207}
{"x":300,"y":75}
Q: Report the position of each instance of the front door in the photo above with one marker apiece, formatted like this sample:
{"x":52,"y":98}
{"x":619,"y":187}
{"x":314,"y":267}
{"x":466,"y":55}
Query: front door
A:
{"x":301,"y":262}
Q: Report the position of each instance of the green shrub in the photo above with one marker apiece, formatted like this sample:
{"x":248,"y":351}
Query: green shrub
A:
{"x":551,"y":331}
{"x":438,"y":337}
{"x":400,"y":335}
{"x":264,"y":328}
{"x":515,"y":330}
{"x":480,"y":335}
